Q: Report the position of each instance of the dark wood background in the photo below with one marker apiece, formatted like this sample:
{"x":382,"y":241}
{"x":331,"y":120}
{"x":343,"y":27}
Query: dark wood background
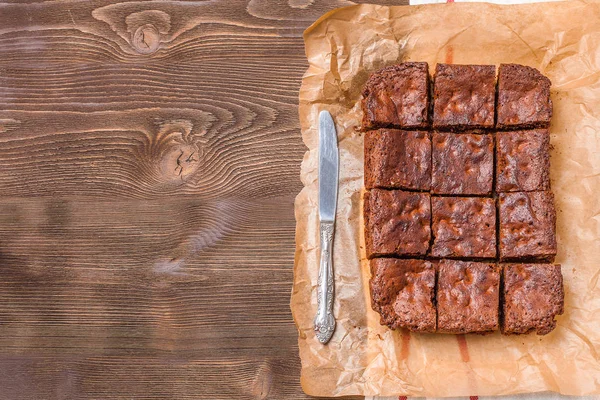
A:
{"x":149,"y":160}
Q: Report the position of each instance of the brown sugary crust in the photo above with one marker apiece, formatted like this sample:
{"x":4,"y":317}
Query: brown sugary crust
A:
{"x":462,"y":163}
{"x":523,"y":161}
{"x":464,"y":96}
{"x":402,"y":292}
{"x":463,"y":227}
{"x":527,"y":226}
{"x":397,"y":96}
{"x":396,"y":159}
{"x":523,"y":97}
{"x":396,"y":223}
{"x":533,"y":296}
{"x":468,"y":296}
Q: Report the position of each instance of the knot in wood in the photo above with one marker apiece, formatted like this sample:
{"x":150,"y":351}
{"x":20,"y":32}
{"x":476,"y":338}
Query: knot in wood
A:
{"x":173,"y":154}
{"x":262,"y":382}
{"x":181,"y":160}
{"x":148,"y":29}
{"x":146,"y":39}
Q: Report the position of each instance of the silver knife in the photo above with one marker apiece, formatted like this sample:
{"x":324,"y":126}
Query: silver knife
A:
{"x":328,"y":191}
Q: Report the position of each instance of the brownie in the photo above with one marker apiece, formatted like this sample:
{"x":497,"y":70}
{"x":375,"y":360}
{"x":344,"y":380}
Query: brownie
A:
{"x":533,"y":296}
{"x":527,"y":226}
{"x":463,"y":227}
{"x":462,"y":164}
{"x":402,"y":292}
{"x":463,"y":96}
{"x":397,"y":96}
{"x":468,"y":296}
{"x":523,"y":97}
{"x":397,"y":159}
{"x":396,"y":223}
{"x":523,"y":161}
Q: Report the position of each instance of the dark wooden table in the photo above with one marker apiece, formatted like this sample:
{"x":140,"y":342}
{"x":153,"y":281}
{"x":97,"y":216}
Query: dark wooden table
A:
{"x":149,"y":160}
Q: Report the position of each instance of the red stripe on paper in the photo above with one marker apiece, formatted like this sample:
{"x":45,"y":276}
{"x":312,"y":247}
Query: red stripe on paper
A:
{"x":463,"y":348}
{"x":405,"y":349}
{"x":449,"y":54}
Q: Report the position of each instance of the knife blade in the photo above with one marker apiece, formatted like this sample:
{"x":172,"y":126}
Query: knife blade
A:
{"x":328,"y":191}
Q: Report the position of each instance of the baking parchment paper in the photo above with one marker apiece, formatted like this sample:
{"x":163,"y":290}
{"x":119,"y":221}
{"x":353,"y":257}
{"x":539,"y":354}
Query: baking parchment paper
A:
{"x":562,"y":40}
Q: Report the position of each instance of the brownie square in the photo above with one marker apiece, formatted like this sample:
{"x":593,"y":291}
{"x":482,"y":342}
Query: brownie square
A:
{"x":463,"y":96}
{"x":463,"y":227}
{"x":533,"y":296}
{"x":527,"y":226}
{"x":396,"y":223}
{"x":523,"y":161}
{"x":523,"y":97}
{"x":397,"y":96}
{"x":462,"y":164}
{"x":468,"y":296}
{"x":397,"y":159}
{"x":402,"y":293}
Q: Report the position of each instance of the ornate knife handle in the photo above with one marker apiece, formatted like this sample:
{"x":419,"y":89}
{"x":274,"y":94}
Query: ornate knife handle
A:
{"x":325,"y":321}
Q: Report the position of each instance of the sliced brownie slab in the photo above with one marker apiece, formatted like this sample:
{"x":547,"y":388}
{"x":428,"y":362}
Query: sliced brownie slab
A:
{"x":397,"y":223}
{"x":464,"y":96}
{"x":463,"y":227}
{"x":523,"y":98}
{"x":402,"y":292}
{"x":462,"y":163}
{"x":397,"y":96}
{"x":523,"y":161}
{"x":533,"y":296}
{"x":468,"y":296}
{"x":396,"y":159}
{"x":527,"y":226}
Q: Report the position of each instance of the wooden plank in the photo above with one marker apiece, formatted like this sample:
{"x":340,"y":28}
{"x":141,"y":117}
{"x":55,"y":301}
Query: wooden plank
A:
{"x":110,"y":377}
{"x":149,"y":160}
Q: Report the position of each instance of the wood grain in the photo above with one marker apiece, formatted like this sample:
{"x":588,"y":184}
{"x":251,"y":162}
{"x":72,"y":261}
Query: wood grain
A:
{"x":149,"y":160}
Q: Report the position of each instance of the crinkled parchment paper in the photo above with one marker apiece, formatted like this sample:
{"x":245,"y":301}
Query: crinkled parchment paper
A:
{"x":343,"y":47}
